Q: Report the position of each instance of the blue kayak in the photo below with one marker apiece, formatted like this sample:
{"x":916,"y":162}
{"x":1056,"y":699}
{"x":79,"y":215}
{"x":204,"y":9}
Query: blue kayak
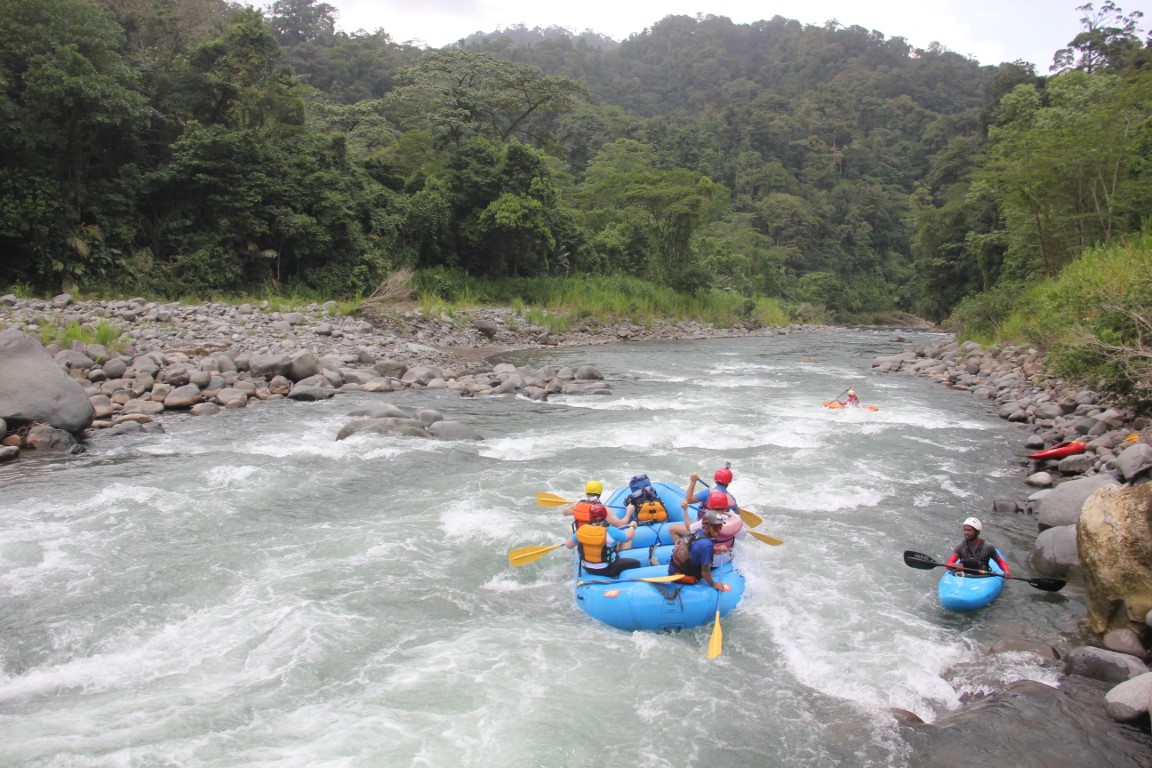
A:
{"x":969,"y":593}
{"x":632,"y":605}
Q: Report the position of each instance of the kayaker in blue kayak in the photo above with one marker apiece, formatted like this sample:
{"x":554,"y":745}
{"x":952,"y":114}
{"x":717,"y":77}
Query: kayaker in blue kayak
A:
{"x":974,"y":553}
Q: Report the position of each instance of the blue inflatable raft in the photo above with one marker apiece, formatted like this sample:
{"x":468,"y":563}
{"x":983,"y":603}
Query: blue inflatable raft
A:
{"x":967,"y":592}
{"x":629,"y":604}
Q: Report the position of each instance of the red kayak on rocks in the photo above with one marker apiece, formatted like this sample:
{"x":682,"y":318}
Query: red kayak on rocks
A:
{"x":1060,"y":450}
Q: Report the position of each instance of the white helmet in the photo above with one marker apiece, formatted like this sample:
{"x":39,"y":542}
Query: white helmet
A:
{"x":974,"y":522}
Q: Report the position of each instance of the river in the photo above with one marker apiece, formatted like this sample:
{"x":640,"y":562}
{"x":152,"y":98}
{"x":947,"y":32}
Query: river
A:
{"x":246,"y":591}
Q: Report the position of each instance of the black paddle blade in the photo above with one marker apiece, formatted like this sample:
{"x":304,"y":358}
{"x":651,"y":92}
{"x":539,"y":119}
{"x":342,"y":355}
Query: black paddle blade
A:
{"x":920,"y":560}
{"x":1048,"y":585}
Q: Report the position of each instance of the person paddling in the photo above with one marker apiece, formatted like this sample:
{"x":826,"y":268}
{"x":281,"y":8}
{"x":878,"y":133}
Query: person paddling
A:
{"x":852,"y":399}
{"x":579,"y":510}
{"x":692,"y":556}
{"x":974,"y":553}
{"x":718,"y":498}
{"x":599,"y":541}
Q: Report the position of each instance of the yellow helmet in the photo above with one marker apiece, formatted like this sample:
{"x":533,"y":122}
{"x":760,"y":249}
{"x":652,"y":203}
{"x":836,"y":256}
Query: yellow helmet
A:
{"x":594,"y":487}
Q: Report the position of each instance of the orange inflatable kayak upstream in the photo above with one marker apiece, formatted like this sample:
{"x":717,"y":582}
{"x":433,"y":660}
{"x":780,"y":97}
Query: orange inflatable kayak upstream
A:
{"x":1060,"y":450}
{"x":834,"y":404}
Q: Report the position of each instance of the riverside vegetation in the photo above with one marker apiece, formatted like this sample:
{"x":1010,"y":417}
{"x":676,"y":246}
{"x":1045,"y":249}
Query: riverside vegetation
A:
{"x":220,"y":149}
{"x":700,"y":177}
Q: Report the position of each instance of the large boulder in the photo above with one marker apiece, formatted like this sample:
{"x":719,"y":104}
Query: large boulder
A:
{"x":385,"y":426}
{"x":45,"y":438}
{"x":1102,"y":664}
{"x":1054,"y":553}
{"x":1130,"y":699}
{"x":304,"y":364}
{"x":1062,"y":506}
{"x":486,"y":327}
{"x":378,"y":410}
{"x":269,"y":365}
{"x":1114,"y":538}
{"x":1134,"y":461}
{"x":420,"y":375}
{"x":453,"y":430}
{"x":33,"y":388}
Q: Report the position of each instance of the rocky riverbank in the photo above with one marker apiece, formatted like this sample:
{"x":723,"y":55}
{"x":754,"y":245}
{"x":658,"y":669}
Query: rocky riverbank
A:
{"x":1093,"y":510}
{"x":174,"y":359}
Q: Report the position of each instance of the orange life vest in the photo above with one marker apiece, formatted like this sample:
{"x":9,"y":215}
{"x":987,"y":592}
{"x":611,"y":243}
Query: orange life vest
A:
{"x":651,"y":512}
{"x":581,"y":513}
{"x":593,"y":540}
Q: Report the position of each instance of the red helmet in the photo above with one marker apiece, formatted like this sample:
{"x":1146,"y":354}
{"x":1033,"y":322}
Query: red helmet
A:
{"x":718,"y":500}
{"x":597,"y":513}
{"x":723,"y":476}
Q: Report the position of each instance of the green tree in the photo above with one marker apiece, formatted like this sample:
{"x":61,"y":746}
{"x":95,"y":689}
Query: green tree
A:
{"x":1068,"y":173}
{"x":299,"y":21}
{"x":671,"y":205}
{"x":238,"y":79}
{"x":455,"y":94}
{"x":71,"y":106}
{"x":1108,"y":39}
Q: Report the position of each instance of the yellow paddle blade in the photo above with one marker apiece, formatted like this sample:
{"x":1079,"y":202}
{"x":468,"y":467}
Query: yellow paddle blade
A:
{"x":526,"y":555}
{"x":766,"y":538}
{"x":551,"y":500}
{"x":751,"y":519}
{"x":717,"y":640}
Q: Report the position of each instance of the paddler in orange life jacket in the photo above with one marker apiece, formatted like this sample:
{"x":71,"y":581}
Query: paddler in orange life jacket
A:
{"x":579,"y":510}
{"x":599,"y":541}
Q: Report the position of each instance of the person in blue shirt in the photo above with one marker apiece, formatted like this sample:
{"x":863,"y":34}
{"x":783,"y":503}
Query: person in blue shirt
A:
{"x":599,"y":542}
{"x":720,"y":480}
{"x":702,"y":499}
{"x":693,"y":557}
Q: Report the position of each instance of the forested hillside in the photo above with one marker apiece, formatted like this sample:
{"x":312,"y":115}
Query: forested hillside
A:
{"x":196,"y":147}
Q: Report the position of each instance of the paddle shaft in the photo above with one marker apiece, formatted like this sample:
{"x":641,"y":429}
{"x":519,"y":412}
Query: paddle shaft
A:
{"x":751,"y":520}
{"x":925,"y":563}
{"x":649,"y":579}
{"x":1048,"y":585}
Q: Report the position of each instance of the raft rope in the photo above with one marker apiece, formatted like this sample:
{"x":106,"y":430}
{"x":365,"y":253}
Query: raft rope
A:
{"x":671,"y":593}
{"x":655,"y":543}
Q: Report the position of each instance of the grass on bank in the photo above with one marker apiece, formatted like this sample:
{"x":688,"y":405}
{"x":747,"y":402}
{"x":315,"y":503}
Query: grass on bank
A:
{"x":105,"y":333}
{"x":559,"y":303}
{"x":1093,"y":320}
{"x":555,"y":303}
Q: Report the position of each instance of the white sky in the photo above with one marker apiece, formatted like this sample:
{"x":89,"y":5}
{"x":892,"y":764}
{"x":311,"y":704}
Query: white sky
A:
{"x":991,"y":31}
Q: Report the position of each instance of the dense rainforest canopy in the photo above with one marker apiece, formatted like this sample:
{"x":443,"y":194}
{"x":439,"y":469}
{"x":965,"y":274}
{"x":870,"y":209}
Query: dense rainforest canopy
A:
{"x":196,"y":146}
